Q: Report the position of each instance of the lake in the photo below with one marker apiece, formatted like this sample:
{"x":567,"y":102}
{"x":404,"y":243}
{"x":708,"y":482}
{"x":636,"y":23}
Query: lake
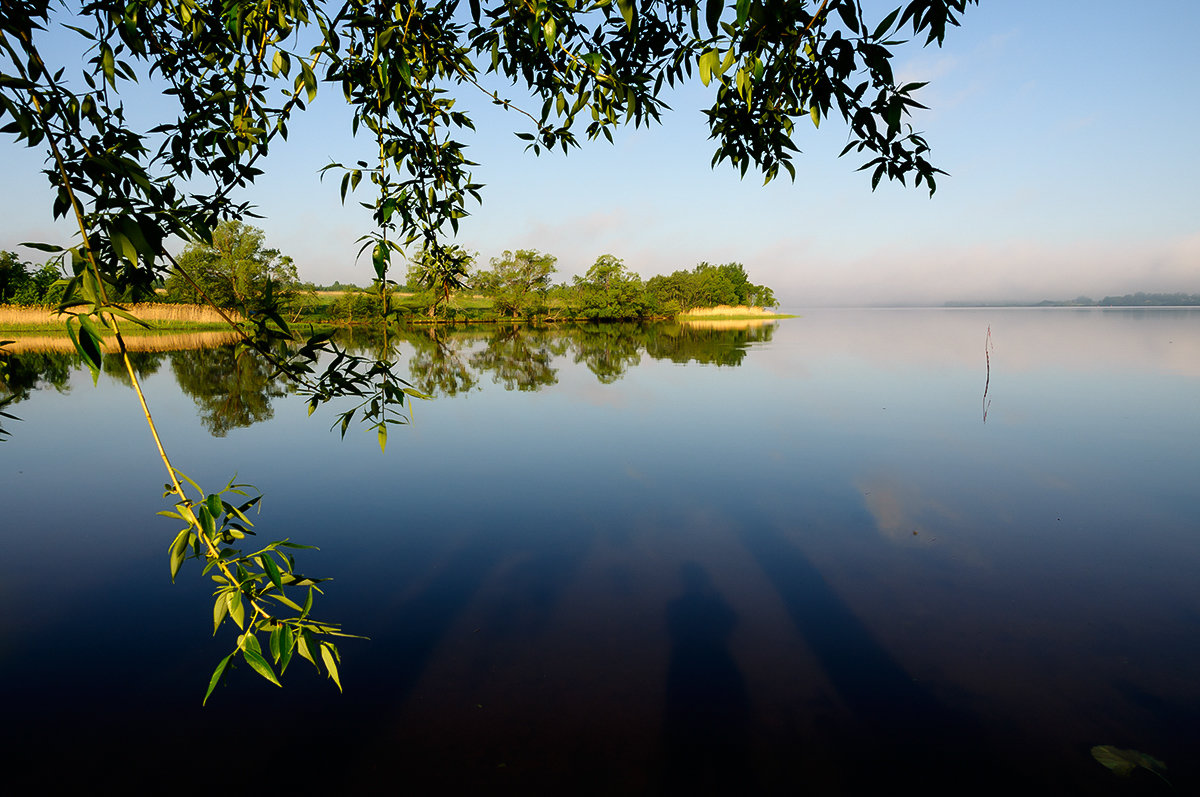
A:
{"x":809,"y":556}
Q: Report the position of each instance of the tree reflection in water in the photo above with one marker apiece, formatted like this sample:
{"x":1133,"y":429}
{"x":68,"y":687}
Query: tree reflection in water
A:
{"x":230,"y":390}
{"x":438,"y":364}
{"x":446,"y":361}
{"x":518,"y":359}
{"x":21,"y":374}
{"x":608,"y":350}
{"x":233,"y":391}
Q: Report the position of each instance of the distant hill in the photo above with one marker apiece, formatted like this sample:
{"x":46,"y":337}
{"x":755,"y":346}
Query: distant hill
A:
{"x":1138,"y":299}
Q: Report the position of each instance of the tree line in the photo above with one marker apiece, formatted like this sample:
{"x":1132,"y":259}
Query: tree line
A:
{"x":238,"y":270}
{"x":23,"y":283}
{"x":520,"y":286}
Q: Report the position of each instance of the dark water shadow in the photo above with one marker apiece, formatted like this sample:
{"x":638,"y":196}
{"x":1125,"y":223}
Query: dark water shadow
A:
{"x":708,"y":717}
{"x":898,"y":736}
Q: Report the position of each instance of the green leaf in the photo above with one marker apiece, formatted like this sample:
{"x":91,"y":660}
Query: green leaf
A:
{"x":329,"y":656}
{"x":712,"y":15}
{"x":304,"y":644}
{"x":550,"y":32}
{"x":309,"y":80}
{"x":178,"y":551}
{"x":249,"y":642}
{"x":1124,"y":762}
{"x":87,"y":344}
{"x":885,"y":25}
{"x":220,"y":609}
{"x":287,"y":644}
{"x":260,"y":665}
{"x":708,"y":63}
{"x":236,"y":610}
{"x":272,"y":570}
{"x":379,"y":259}
{"x":42,"y":247}
{"x":383,"y":437}
{"x":627,"y":11}
{"x":216,"y":677}
{"x":123,"y":246}
{"x":286,"y":601}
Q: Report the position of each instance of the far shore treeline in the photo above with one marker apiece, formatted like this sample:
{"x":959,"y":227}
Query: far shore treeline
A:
{"x":1139,"y":299}
{"x":239,"y":272}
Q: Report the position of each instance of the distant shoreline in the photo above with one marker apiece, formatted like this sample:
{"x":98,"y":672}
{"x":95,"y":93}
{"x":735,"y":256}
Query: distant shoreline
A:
{"x":1128,"y":300}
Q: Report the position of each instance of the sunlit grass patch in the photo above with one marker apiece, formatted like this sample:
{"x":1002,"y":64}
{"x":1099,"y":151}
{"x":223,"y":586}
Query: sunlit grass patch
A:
{"x":155,"y":314}
{"x":146,"y":342}
{"x":725,"y":312}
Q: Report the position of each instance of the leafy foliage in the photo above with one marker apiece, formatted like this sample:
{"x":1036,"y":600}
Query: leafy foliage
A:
{"x":708,"y":286}
{"x":252,"y":589}
{"x":441,"y":269}
{"x":1124,"y":762}
{"x":519,"y":281}
{"x":21,"y":283}
{"x":235,"y":270}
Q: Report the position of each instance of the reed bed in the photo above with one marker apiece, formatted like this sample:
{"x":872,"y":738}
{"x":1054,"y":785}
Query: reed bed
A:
{"x":151,"y":313}
{"x":726,"y":323}
{"x":726,"y":310}
{"x":177,"y":341}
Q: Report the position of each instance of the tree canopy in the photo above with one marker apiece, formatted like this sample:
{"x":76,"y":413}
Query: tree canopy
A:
{"x":518,"y":281}
{"x":576,"y":71}
{"x":235,"y":270}
{"x":23,"y":283}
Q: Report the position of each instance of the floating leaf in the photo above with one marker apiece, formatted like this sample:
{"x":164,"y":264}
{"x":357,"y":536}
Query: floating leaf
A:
{"x":1124,"y":762}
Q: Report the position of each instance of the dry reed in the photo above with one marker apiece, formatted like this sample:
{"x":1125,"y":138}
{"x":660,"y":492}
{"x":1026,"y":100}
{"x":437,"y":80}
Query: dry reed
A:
{"x":13,"y":316}
{"x":725,"y":323}
{"x":167,"y":342}
{"x":724,"y":309}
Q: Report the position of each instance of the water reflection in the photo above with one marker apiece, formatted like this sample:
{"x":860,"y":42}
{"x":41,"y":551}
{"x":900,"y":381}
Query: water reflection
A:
{"x":743,"y":610}
{"x":708,"y":715}
{"x":21,"y":374}
{"x":439,"y":364}
{"x":235,"y":391}
{"x":518,"y":359}
{"x":231,"y":391}
{"x":447,"y":361}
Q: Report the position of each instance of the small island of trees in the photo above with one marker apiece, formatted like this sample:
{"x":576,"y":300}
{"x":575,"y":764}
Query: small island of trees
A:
{"x":240,"y":273}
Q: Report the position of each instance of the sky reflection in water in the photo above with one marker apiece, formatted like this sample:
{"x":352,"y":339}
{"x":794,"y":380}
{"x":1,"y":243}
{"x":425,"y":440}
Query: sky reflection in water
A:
{"x":814,"y":567}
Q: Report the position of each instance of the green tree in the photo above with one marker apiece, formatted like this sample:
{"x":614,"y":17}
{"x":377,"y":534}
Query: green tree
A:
{"x":235,"y":270}
{"x":519,"y":281}
{"x":440,"y":269}
{"x":610,"y":291}
{"x":761,"y":296}
{"x":14,"y":273}
{"x":21,"y":283}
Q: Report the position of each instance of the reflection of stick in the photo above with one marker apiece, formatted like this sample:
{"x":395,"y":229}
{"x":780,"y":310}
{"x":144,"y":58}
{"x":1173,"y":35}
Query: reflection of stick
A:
{"x":987,"y":343}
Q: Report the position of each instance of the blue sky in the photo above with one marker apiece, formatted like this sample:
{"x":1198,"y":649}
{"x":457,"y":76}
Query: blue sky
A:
{"x":1068,"y":130}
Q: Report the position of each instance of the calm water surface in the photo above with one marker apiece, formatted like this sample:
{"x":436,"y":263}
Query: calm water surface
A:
{"x":789,"y":559}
